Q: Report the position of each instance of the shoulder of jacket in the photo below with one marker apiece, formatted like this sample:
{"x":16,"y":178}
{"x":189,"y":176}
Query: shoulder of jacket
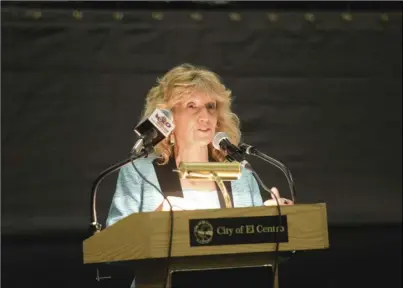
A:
{"x":142,"y":162}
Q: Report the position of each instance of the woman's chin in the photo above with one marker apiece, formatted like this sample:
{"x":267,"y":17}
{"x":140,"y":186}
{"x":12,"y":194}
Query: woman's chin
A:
{"x":203,"y":137}
{"x":203,"y":141}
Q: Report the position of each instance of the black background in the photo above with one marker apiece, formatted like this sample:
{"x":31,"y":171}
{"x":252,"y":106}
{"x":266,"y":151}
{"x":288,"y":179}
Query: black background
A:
{"x":324,"y":97}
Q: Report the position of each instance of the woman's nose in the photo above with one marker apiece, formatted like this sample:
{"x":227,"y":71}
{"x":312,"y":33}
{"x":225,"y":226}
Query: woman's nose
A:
{"x":204,"y":115}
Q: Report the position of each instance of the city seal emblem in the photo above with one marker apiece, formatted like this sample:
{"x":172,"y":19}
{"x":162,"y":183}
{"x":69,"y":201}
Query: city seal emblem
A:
{"x":203,"y":232}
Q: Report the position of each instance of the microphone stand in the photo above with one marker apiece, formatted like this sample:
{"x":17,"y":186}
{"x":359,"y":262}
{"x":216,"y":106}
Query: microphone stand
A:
{"x":95,"y":226}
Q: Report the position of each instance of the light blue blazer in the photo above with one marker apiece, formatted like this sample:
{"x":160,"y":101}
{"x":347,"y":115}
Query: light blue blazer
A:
{"x":133,"y":194}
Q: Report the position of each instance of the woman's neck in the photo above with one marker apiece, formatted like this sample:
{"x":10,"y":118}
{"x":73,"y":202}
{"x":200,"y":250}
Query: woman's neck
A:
{"x":191,"y":154}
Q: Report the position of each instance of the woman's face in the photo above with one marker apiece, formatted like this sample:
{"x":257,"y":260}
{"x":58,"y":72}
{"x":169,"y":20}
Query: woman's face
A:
{"x":195,"y":119}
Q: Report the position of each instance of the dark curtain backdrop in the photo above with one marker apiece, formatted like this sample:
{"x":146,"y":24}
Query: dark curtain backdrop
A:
{"x":321,"y":93}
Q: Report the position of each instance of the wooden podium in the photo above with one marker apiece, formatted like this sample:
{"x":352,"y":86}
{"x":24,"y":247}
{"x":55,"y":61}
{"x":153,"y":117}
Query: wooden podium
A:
{"x":142,"y":240}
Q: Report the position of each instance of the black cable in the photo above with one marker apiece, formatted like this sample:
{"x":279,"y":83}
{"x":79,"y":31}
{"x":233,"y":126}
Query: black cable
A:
{"x":250,"y":150}
{"x":171,"y":219}
{"x":253,"y":151}
{"x":95,"y":226}
{"x":276,"y":252}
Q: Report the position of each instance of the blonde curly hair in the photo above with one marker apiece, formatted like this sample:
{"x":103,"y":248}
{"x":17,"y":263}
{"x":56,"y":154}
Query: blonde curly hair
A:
{"x":179,"y":83}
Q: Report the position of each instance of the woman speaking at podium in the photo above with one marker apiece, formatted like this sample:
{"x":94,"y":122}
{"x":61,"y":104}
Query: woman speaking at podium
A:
{"x":201,"y":107}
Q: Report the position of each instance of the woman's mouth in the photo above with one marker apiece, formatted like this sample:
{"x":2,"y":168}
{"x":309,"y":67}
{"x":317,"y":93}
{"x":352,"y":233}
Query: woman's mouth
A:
{"x":204,"y":129}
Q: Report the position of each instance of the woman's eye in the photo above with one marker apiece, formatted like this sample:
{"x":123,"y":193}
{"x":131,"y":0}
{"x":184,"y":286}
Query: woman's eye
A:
{"x":211,"y":106}
{"x":191,"y":105}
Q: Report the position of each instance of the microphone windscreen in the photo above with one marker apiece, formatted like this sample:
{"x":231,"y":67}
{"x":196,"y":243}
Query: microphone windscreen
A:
{"x":218,"y":138}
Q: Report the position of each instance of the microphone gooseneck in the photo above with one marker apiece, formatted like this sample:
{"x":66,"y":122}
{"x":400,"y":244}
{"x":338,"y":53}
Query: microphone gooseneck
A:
{"x":250,"y":150}
{"x":95,"y":226}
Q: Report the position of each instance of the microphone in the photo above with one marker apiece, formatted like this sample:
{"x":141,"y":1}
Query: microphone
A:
{"x":153,"y":130}
{"x":221,"y":142}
